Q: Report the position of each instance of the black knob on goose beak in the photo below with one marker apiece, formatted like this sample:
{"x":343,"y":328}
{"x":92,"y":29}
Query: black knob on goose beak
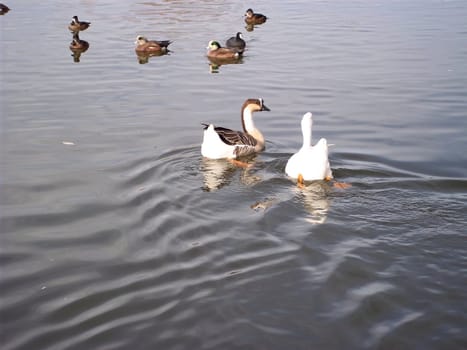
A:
{"x":263,"y":106}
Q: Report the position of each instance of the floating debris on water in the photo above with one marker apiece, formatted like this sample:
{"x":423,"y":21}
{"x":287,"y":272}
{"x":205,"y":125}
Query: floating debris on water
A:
{"x":68,"y":143}
{"x":264,"y":204}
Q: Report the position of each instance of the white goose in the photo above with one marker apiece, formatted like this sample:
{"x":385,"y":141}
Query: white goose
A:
{"x":310,"y":162}
{"x":220,"y":142}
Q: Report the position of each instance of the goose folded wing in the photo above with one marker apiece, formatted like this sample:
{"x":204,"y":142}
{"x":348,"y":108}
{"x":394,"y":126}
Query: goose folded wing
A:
{"x":232,"y":137}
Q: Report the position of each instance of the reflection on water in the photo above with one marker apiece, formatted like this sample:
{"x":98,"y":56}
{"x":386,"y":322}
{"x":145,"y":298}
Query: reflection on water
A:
{"x":250,"y":27}
{"x":315,"y":199}
{"x":215,"y":67}
{"x":218,"y":173}
{"x":216,"y":63}
{"x":143,"y":58}
{"x":314,"y":196}
{"x":78,"y":46}
{"x":116,"y":233}
{"x":76,"y":54}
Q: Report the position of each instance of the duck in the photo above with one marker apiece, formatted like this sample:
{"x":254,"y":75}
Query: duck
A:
{"x":77,"y":44}
{"x":76,"y":25}
{"x":3,"y":9}
{"x":219,"y":142}
{"x":236,"y":42}
{"x":143,"y":45}
{"x":254,"y":18}
{"x":216,"y":51}
{"x":310,"y":163}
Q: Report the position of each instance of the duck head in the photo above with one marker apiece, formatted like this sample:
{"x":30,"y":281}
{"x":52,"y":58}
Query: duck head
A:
{"x":140,"y":40}
{"x":213,"y":45}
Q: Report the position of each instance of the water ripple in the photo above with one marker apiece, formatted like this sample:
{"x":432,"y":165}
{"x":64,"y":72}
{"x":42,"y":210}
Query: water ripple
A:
{"x":116,"y":234}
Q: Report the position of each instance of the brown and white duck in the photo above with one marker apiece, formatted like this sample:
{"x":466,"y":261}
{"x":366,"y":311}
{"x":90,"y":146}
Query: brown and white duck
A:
{"x":76,"y":25}
{"x":145,"y":46}
{"x":217,"y":52}
{"x":254,"y":18}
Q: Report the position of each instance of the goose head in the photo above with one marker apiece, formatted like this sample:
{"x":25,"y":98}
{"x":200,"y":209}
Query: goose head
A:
{"x":254,"y":105}
{"x":249,"y":106}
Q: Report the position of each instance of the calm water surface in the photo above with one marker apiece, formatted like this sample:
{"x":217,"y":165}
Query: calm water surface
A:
{"x":116,"y":234}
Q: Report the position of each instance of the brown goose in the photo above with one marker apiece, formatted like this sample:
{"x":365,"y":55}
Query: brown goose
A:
{"x":219,"y":142}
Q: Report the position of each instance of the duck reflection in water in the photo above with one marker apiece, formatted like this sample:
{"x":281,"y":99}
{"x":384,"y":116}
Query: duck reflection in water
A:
{"x":315,"y":200}
{"x":143,"y":58}
{"x":250,"y":27}
{"x":77,"y":47}
{"x":215,"y":65}
{"x":218,"y":173}
{"x":313,"y":197}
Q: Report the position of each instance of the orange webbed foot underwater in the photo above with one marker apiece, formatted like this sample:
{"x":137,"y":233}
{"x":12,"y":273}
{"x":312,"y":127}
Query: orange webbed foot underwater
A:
{"x":341,"y":185}
{"x":240,"y":164}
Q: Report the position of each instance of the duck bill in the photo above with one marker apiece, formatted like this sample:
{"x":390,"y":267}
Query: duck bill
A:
{"x":265,"y":108}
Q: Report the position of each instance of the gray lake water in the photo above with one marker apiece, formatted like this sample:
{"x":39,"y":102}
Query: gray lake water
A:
{"x":116,"y":234}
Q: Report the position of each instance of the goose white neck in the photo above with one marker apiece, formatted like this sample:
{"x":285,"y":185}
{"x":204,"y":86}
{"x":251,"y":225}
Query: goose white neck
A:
{"x":249,"y":125}
{"x":247,"y":120}
{"x":307,"y":123}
